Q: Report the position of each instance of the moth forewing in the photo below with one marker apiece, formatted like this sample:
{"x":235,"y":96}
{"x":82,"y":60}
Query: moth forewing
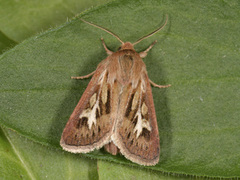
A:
{"x":90,"y":125}
{"x":136,"y":133}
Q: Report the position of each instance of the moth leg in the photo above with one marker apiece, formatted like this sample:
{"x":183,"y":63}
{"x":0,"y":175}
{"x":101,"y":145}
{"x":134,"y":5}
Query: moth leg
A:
{"x":144,"y":53}
{"x":84,"y":77}
{"x":159,"y":86}
{"x":105,"y":47}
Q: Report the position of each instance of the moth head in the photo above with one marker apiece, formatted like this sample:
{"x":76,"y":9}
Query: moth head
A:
{"x":128,"y":45}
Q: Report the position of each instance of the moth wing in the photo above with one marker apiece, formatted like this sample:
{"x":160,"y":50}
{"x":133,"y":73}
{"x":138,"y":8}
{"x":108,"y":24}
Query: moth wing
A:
{"x":136,"y":133}
{"x":90,"y":125}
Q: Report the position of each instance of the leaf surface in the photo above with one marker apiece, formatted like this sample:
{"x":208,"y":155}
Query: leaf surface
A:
{"x":197,"y":53}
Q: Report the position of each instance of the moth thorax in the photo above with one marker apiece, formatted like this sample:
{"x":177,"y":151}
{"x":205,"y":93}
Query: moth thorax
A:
{"x":127,"y":45}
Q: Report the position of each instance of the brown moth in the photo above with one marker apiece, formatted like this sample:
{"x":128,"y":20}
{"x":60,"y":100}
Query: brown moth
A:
{"x":116,"y":110}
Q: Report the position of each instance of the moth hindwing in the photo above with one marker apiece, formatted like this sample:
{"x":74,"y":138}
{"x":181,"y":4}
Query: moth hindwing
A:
{"x":117,"y":110}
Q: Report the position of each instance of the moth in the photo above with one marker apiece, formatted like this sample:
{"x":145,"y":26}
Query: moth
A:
{"x":116,"y":110}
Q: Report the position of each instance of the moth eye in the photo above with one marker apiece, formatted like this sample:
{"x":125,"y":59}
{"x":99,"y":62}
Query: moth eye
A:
{"x":119,"y":48}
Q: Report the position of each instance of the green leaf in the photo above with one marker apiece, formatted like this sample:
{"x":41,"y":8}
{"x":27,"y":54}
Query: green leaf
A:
{"x":23,"y":159}
{"x":197,"y":53}
{"x":22,"y":19}
{"x":108,"y":170}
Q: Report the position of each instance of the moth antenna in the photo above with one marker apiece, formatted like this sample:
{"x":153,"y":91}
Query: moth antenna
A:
{"x":97,"y":26}
{"x":152,"y":33}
